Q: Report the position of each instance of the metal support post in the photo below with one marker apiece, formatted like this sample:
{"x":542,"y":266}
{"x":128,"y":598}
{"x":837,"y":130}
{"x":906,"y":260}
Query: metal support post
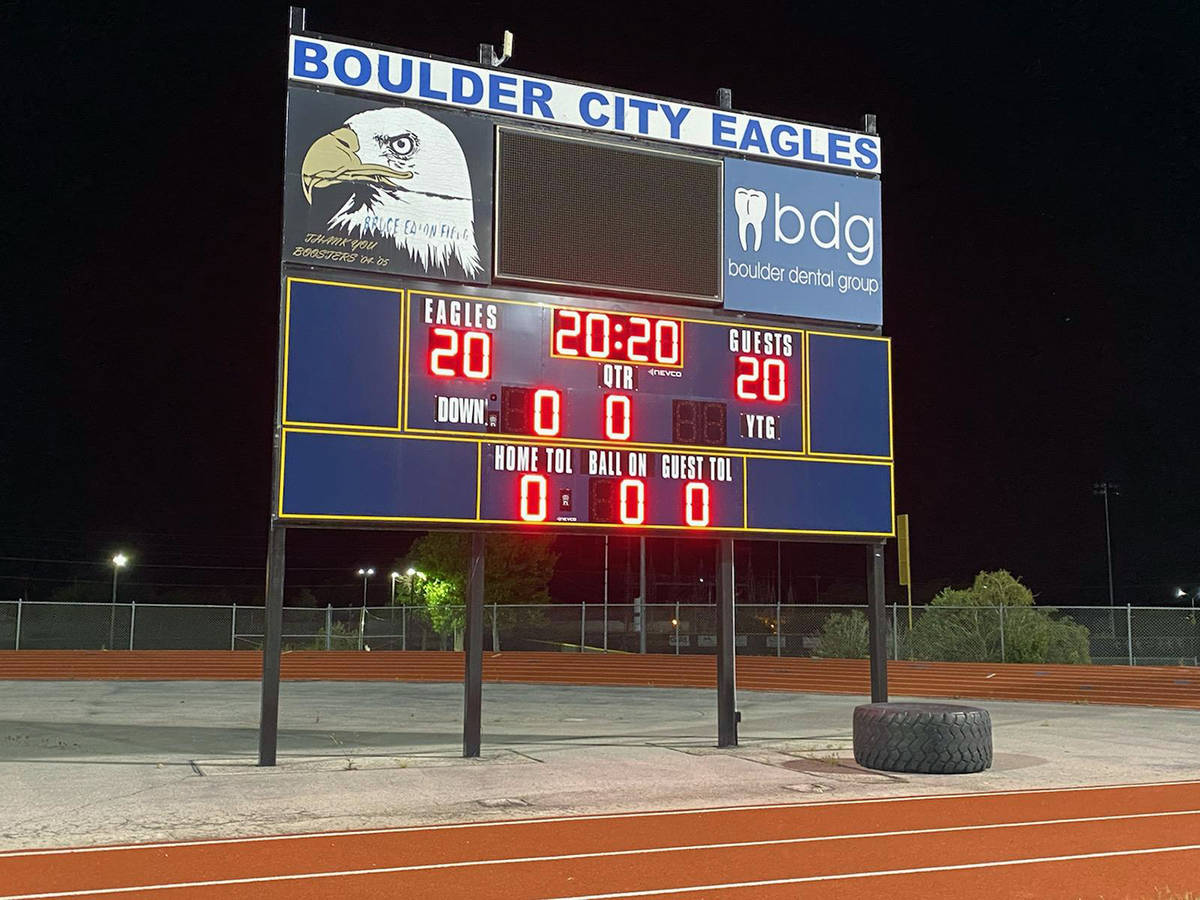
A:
{"x":895,"y":634}
{"x":404,"y":628}
{"x":495,"y":628}
{"x":233,"y":627}
{"x":606,"y":593}
{"x":17,"y":642}
{"x":1003,"y":654}
{"x":726,"y":639}
{"x":268,"y":721}
{"x":473,"y":650}
{"x":676,"y":627}
{"x":1129,"y":629}
{"x":582,"y":625}
{"x":877,"y":623}
{"x":132,"y":620}
{"x":328,"y":626}
{"x":641,"y":610}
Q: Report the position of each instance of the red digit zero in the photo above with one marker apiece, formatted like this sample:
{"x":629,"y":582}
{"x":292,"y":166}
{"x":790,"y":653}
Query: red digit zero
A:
{"x":533,"y":498}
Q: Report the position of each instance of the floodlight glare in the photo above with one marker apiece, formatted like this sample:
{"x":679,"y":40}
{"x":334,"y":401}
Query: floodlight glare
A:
{"x":120,"y":560}
{"x":410,"y":572}
{"x":1180,"y":592}
{"x":395,"y":575}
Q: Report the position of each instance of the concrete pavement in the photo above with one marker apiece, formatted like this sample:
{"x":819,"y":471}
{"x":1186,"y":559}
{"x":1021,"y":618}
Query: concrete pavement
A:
{"x":88,"y":762}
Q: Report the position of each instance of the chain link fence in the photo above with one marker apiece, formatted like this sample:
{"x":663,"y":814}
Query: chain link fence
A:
{"x":1123,"y":635}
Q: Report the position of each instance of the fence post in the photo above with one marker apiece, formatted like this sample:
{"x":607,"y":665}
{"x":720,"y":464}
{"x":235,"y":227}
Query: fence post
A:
{"x":328,"y":626}
{"x":582,"y":625}
{"x":676,"y":627}
{"x":1003,"y":655}
{"x":495,"y":629}
{"x":403,"y":627}
{"x":895,"y":634}
{"x":132,"y":619}
{"x":17,"y":644}
{"x":233,"y":628}
{"x":778,"y":623}
{"x":606,"y":621}
{"x":1129,"y":629}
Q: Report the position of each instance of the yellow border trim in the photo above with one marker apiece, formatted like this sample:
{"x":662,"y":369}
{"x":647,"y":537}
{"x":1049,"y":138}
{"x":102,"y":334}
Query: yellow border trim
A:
{"x":287,"y":341}
{"x":822,"y":454}
{"x":679,"y":529}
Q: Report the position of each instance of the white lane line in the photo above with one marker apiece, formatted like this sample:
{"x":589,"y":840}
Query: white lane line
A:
{"x":876,"y":874}
{"x":599,"y":854}
{"x":594,"y":817}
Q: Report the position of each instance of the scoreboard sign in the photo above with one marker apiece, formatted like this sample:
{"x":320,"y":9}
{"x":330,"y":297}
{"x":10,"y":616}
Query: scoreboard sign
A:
{"x":412,"y":404}
{"x":499,"y":325}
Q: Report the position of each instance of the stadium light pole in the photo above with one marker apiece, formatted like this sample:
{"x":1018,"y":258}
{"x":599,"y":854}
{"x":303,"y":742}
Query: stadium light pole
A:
{"x":119,"y":561}
{"x":395,"y":576}
{"x":1180,"y":593}
{"x":364,"y":574}
{"x":1104,"y":488}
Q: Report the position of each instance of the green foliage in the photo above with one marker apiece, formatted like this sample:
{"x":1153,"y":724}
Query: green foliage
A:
{"x":517,"y":571}
{"x":444,"y":606}
{"x":517,"y":567}
{"x":844,"y":636}
{"x":963,"y":625}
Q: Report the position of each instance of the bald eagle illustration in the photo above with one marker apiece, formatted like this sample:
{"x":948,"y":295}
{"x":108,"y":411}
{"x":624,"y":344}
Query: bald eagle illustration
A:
{"x":405,"y":179}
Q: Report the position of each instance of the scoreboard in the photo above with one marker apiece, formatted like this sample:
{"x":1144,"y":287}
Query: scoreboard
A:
{"x":512,"y":302}
{"x":484,"y":408}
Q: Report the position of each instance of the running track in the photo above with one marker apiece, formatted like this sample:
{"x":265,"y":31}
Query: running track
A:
{"x":1168,"y":686}
{"x":1112,"y":842}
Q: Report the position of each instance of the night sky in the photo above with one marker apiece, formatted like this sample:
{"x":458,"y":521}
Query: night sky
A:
{"x":1039,"y":232}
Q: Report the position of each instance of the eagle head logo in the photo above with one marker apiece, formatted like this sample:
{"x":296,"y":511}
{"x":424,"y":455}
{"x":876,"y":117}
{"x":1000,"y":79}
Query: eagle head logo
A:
{"x":408,"y":182}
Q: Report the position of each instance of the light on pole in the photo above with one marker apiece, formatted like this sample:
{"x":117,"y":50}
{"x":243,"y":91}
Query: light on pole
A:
{"x":395,"y":576}
{"x":1104,"y":489}
{"x":364,"y":574}
{"x":118,"y":563}
{"x":413,"y":575}
{"x":1180,"y":593}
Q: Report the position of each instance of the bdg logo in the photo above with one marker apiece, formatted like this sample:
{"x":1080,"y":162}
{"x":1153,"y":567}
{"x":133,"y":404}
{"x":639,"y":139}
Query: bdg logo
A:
{"x":790,"y":225}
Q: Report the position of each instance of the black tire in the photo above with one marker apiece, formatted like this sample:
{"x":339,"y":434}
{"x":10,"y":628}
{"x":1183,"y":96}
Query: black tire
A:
{"x":935,"y":738}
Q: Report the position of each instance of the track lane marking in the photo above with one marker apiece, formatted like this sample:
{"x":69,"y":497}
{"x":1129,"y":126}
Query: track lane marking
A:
{"x":880,"y":873}
{"x":596,"y":817}
{"x":601,"y":854}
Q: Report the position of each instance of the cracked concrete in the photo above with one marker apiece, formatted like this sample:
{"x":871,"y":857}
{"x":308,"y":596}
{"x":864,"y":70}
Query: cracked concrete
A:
{"x":107,"y":762}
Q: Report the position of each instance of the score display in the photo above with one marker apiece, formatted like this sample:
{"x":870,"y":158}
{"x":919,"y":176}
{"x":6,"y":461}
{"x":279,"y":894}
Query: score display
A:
{"x":533,"y":411}
{"x":612,"y":337}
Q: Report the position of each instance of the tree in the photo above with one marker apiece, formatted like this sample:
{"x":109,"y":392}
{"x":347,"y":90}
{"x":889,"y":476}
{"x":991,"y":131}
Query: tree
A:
{"x":517,"y":572}
{"x":844,"y":636}
{"x":965,"y":625}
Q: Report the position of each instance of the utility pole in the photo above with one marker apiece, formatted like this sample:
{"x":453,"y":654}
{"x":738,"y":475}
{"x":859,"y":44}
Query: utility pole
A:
{"x":1104,"y":489}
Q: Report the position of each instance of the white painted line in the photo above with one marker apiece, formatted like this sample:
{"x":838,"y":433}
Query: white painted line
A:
{"x":876,"y":874}
{"x":595,"y":817}
{"x":600,"y":854}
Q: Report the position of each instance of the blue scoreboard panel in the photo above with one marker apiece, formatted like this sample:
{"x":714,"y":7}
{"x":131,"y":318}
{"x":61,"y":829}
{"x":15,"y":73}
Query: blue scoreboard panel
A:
{"x":409,"y":405}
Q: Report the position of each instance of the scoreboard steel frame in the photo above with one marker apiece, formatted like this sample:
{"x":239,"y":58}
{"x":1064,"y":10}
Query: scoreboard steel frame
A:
{"x":507,"y":399}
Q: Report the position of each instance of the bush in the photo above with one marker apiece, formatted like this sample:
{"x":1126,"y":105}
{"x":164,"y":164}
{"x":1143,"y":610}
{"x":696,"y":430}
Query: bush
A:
{"x":844,"y":636}
{"x":964,"y":626}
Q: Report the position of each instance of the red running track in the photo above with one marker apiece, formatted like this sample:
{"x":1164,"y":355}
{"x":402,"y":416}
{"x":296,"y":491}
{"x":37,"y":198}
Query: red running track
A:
{"x":1168,"y":686}
{"x":1111,"y":842}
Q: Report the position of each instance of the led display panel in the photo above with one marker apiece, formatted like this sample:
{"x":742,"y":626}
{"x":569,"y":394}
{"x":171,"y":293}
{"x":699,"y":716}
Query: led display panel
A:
{"x":609,"y":216}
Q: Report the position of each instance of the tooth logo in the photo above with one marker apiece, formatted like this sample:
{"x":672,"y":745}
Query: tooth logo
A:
{"x":751,"y":207}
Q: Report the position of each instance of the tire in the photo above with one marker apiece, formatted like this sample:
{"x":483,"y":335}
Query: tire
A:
{"x":934,"y":738}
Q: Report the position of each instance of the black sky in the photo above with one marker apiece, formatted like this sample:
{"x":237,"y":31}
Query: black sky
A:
{"x":1040,"y":190}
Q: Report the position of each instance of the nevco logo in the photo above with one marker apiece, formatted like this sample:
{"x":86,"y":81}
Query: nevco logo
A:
{"x":823,"y":227}
{"x":666,"y":373}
